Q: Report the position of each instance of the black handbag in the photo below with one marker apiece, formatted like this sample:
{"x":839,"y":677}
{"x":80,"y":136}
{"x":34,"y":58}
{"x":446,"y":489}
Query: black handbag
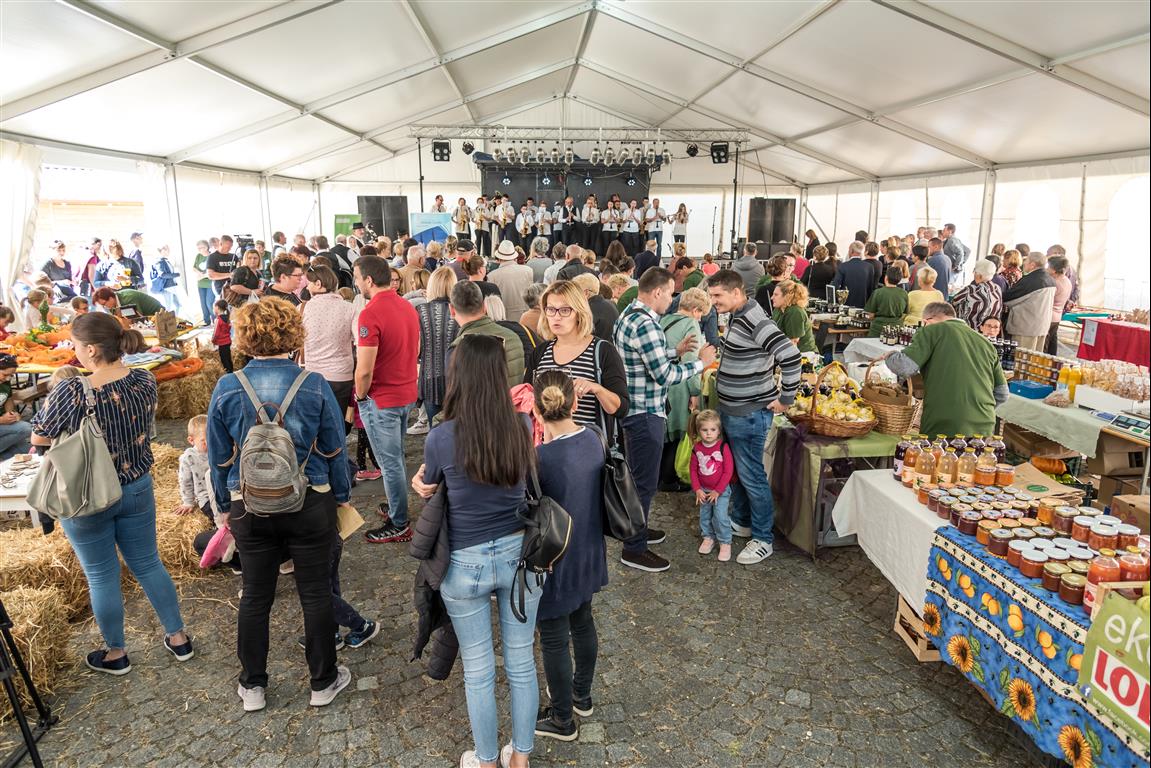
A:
{"x":547,"y":532}
{"x":622,"y":509}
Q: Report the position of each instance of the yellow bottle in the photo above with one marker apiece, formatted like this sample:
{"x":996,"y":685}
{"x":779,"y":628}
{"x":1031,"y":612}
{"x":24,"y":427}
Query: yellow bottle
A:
{"x":948,"y":466}
{"x":925,"y":467}
{"x":965,"y":471}
{"x":1074,"y":379}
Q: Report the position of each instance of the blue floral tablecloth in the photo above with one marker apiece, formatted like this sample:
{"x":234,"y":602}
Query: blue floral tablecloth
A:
{"x":1022,"y":646}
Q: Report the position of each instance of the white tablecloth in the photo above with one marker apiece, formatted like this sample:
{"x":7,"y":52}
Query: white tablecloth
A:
{"x":15,"y":499}
{"x":862,"y":349}
{"x":893,"y":528}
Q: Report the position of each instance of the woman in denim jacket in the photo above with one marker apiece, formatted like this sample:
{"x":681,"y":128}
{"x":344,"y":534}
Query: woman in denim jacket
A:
{"x":269,"y":332}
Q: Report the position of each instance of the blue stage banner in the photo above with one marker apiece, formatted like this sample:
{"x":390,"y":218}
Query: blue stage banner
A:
{"x":426,"y":227}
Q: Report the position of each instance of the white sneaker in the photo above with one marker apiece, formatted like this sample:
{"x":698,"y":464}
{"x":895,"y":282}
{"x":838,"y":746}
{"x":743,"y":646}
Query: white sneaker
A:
{"x":327,"y":696}
{"x":253,"y":698}
{"x":756,"y":551}
{"x":741,"y":530}
{"x":287,"y":567}
{"x":506,"y":755}
{"x":419,"y":428}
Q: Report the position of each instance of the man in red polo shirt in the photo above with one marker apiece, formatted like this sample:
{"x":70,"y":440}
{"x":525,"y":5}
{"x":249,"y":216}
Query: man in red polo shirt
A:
{"x":388,"y":347}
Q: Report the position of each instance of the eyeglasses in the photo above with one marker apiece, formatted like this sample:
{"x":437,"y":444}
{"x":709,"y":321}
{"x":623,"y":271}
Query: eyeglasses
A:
{"x":297,"y":274}
{"x":561,"y":311}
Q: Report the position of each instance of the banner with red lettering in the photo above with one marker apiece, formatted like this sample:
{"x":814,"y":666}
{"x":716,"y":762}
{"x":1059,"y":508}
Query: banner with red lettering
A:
{"x":1115,"y":664}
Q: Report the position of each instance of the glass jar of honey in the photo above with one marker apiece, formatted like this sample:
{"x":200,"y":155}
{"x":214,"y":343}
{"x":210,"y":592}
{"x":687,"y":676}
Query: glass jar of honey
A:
{"x":985,"y":468}
{"x":969,"y":522}
{"x":1015,"y":551}
{"x":1081,"y":528}
{"x":1103,"y":536}
{"x":1053,"y":573}
{"x":1071,"y":588}
{"x":1128,"y":536}
{"x":1004,"y":474}
{"x":923,"y":490}
{"x":983,"y":532}
{"x":999,"y":542}
{"x":1032,"y":564}
{"x":1046,"y":513}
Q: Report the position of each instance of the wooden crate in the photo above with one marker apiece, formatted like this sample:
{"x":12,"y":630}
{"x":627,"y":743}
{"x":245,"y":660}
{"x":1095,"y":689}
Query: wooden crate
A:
{"x":909,"y":627}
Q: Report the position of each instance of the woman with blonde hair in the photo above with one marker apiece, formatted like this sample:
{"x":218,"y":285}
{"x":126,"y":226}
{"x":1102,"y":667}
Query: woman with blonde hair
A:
{"x":925,"y":294}
{"x":709,"y":267}
{"x":788,"y":302}
{"x":681,"y":398}
{"x":594,"y":364}
{"x":437,"y":332}
{"x":417,"y":286}
{"x":678,"y":250}
{"x":1012,"y":267}
{"x":618,"y":283}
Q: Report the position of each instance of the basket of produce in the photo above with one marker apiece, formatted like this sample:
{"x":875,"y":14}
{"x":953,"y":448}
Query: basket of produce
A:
{"x":893,"y":406}
{"x":832,"y":407}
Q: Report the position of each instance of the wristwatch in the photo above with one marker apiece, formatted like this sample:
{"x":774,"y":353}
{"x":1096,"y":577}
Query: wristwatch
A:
{"x":363,"y":399}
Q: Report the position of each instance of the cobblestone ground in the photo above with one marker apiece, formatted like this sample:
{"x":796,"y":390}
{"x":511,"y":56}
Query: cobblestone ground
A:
{"x":790,"y":663}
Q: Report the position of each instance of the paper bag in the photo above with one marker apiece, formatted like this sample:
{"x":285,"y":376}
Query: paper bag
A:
{"x":348,"y":520}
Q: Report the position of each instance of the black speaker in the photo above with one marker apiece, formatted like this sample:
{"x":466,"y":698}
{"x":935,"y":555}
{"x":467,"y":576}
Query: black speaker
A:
{"x":771,"y":220}
{"x":384,"y":214}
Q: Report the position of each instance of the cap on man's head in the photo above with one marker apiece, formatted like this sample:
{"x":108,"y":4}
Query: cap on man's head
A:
{"x":135,"y":235}
{"x":463,"y":245}
{"x":358,"y":225}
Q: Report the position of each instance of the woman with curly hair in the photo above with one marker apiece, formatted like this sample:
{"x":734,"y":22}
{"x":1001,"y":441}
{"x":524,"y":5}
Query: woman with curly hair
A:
{"x":269,"y":332}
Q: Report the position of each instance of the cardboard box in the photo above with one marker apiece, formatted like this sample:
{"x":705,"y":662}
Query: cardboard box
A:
{"x":1110,"y":487}
{"x":1041,"y":485}
{"x":1116,"y":457}
{"x":1026,"y":443}
{"x":1135,"y":510}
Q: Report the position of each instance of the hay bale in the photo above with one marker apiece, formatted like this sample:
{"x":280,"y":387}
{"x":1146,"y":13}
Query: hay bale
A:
{"x":174,"y":533}
{"x":40,"y":630}
{"x":30,"y":559}
{"x":185,"y":397}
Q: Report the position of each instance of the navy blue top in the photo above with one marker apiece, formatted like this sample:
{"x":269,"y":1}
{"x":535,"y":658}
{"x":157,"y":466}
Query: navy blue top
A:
{"x":858,"y":277}
{"x":942,"y":266}
{"x":477,"y":512}
{"x":570,"y":470}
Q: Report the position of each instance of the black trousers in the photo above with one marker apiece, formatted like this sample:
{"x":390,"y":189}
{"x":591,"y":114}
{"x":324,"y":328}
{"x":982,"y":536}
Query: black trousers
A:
{"x":225,"y":351}
{"x":483,"y":242}
{"x":679,"y":238}
{"x":307,"y":537}
{"x":1051,"y":346}
{"x":343,"y":392}
{"x":578,"y":630}
{"x":573,"y":233}
{"x":590,"y":239}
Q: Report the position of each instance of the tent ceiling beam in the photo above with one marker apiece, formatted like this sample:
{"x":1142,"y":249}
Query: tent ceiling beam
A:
{"x":796,"y":27}
{"x":647,"y":133}
{"x":422,"y":28}
{"x":1012,"y":51}
{"x":167,"y":52}
{"x":610,"y":8}
{"x":581,"y":48}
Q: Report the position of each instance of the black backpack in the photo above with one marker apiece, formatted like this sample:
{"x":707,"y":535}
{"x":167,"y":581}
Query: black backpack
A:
{"x":547,"y":532}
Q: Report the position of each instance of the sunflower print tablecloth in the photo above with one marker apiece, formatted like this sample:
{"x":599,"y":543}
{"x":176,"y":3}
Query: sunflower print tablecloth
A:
{"x":1023,"y":646}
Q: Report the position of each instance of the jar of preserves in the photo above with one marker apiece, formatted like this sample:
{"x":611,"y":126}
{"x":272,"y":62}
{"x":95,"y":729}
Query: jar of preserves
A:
{"x":1026,"y":535}
{"x":1102,"y":568}
{"x":1052,"y":574}
{"x":965,"y":466}
{"x":1078,"y":566}
{"x":1017,"y":512}
{"x":923,"y":492}
{"x":1071,"y":588}
{"x":1065,"y":519}
{"x":1134,"y":567}
{"x":1046,"y":513}
{"x":969,"y":522}
{"x":1128,"y":536}
{"x":1004,"y":474}
{"x":933,"y":498}
{"x":956,"y":510}
{"x":1103,"y":537}
{"x":999,"y":542}
{"x":1032,"y":563}
{"x":983,"y":532}
{"x":981,"y":507}
{"x":1015,"y":551}
{"x":985,"y":468}
{"x":1043,"y":532}
{"x":1081,"y":529}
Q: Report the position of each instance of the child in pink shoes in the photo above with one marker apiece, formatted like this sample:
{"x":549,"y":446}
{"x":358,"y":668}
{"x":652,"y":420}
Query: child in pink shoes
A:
{"x":712,"y":468}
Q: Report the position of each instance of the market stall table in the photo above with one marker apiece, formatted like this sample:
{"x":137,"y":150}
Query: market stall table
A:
{"x":14,"y":493}
{"x":1105,"y":339}
{"x":1021,"y":645}
{"x":864,"y":349}
{"x":803,"y":480}
{"x":1074,"y":428}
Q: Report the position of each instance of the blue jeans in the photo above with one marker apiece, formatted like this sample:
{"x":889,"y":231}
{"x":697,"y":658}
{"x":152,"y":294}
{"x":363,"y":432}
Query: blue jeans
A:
{"x":207,"y":299}
{"x":751,"y":501}
{"x":130,"y":526}
{"x":473,"y":575}
{"x":714,"y":522}
{"x":386,"y":428}
{"x":643,"y":440}
{"x":14,"y":438}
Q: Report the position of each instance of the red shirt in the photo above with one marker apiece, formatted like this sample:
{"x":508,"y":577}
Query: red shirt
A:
{"x":390,"y":323}
{"x":222,"y":332}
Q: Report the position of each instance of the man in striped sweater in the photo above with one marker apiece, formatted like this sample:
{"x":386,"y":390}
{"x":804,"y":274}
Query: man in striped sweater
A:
{"x":748,"y":398}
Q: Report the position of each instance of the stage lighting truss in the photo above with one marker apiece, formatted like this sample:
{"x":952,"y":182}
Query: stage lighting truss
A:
{"x":541,"y":155}
{"x":569,"y":156}
{"x":649,"y":156}
{"x":595,"y":155}
{"x":636,"y":156}
{"x":609,"y":157}
{"x":498,"y":155}
{"x":441,"y":151}
{"x":555,"y":155}
{"x":525,"y":155}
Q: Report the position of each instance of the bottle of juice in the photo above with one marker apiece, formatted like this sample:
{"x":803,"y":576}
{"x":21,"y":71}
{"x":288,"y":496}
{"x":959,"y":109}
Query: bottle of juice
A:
{"x":965,"y":470}
{"x":948,"y":466}
{"x":925,"y":467}
{"x":977,"y":442}
{"x":1061,"y":381}
{"x":999,"y":447}
{"x":1105,"y":567}
{"x":910,"y":457}
{"x":1074,"y":379}
{"x":985,"y":468}
{"x":938,"y":447}
{"x":959,"y":442}
{"x":900,"y":450}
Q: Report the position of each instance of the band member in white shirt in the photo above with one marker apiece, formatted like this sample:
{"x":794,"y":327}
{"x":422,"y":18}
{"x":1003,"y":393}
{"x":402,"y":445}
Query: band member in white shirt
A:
{"x":567,"y":222}
{"x":589,"y":216}
{"x":629,"y":229}
{"x":544,"y":221}
{"x":506,"y":218}
{"x":679,"y":223}
{"x":438,"y":206}
{"x":481,"y":217}
{"x":525,"y":223}
{"x":654,"y":217}
{"x":535,"y":212}
{"x":461,"y":220}
{"x":609,"y":222}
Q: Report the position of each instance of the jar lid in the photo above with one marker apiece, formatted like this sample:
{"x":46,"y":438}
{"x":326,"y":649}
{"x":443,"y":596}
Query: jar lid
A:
{"x":1021,"y":544}
{"x":1026,"y":533}
{"x":1081,"y":553}
{"x":1067,"y":512}
{"x":1029,"y":522}
{"x":1045,"y":531}
{"x":1090,"y":511}
{"x":1103,"y":529}
{"x":1078,"y":566}
{"x":1056,"y":569}
{"x":1012,"y":490}
{"x":969,"y":514}
{"x":989,"y":525}
{"x":1057,"y":554}
{"x":1085,"y":521}
{"x":1001,"y":534}
{"x":1073,"y":580}
{"x":1128,"y":530}
{"x":1133,"y":550}
{"x":1130,"y":558}
{"x":929,"y":487}
{"x":1004,"y":467}
{"x":936,"y":492}
{"x":1108,"y":520}
{"x":1043,"y":545}
{"x":1107,"y":552}
{"x":1035,"y":556}
{"x":1066,"y":543}
{"x":1009,"y":523}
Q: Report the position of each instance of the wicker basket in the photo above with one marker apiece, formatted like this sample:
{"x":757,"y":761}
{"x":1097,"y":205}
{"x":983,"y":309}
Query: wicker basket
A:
{"x":821,"y":425}
{"x":894,"y":419}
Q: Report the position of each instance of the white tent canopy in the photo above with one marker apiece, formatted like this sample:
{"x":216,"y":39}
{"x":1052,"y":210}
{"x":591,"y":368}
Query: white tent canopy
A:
{"x":830,"y":91}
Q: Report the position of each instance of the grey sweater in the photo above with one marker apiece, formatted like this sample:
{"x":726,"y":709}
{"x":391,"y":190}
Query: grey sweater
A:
{"x":754,"y":346}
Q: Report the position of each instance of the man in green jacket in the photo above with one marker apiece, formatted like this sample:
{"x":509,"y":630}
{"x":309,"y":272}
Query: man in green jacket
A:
{"x":467,"y":308}
{"x":112,"y":301}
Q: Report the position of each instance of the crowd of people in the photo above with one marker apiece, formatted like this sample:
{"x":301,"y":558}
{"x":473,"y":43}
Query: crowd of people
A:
{"x":524,"y":369}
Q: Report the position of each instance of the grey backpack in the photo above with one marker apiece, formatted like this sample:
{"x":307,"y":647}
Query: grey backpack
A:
{"x":272,"y":482}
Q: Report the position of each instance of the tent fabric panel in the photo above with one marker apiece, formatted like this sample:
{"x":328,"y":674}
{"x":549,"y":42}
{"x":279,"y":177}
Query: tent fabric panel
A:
{"x":631,"y":51}
{"x":539,"y":88}
{"x":213,"y":204}
{"x":882,"y":74}
{"x":800,"y":167}
{"x":1122,"y":67}
{"x":627,"y":98}
{"x":292,"y":206}
{"x":158,"y":112}
{"x":267,"y":59}
{"x":387,"y":106}
{"x":271,"y":147}
{"x":335,"y":162}
{"x":768,"y":106}
{"x":881,"y":151}
{"x":456,"y":23}
{"x":63,"y":44}
{"x":180,"y":19}
{"x":1030,"y":118}
{"x":537,"y":50}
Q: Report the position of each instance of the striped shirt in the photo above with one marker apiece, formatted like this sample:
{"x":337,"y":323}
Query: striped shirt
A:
{"x":753,"y":347}
{"x":125,"y":410}
{"x":647,"y":361}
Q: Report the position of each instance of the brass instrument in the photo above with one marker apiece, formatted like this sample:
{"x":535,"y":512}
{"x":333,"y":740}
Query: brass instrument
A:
{"x":527,"y":226}
{"x":463,"y":214}
{"x":503,"y":216}
{"x":642,"y":221}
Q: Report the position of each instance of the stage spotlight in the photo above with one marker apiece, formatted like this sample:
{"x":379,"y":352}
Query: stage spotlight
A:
{"x":506,"y":180}
{"x":468,"y":147}
{"x":498,"y":155}
{"x":650,"y":156}
{"x":540,"y":155}
{"x":587,"y":182}
{"x":609,"y":156}
{"x":569,"y":156}
{"x":525,"y":155}
{"x":441,"y":151}
{"x":555,"y":155}
{"x":692,"y":150}
{"x":636,"y":156}
{"x":595,"y":155}
{"x":665,"y":156}
{"x":719,"y":153}
{"x":631,"y":182}
{"x":546,"y":180}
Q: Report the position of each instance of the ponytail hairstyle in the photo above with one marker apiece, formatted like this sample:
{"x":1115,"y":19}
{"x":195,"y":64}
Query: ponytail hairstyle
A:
{"x":103,"y":331}
{"x":555,"y":395}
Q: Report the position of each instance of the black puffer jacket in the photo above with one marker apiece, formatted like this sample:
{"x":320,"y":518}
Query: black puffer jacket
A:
{"x":430,"y":546}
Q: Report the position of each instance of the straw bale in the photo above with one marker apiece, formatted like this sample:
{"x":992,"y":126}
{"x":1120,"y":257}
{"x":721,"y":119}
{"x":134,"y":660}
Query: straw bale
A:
{"x":40,"y":629}
{"x":28,"y":558}
{"x":174,"y":533}
{"x":185,"y":397}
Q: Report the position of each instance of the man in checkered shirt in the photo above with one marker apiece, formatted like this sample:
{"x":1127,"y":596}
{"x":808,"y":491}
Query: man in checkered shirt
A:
{"x":651,"y":368}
